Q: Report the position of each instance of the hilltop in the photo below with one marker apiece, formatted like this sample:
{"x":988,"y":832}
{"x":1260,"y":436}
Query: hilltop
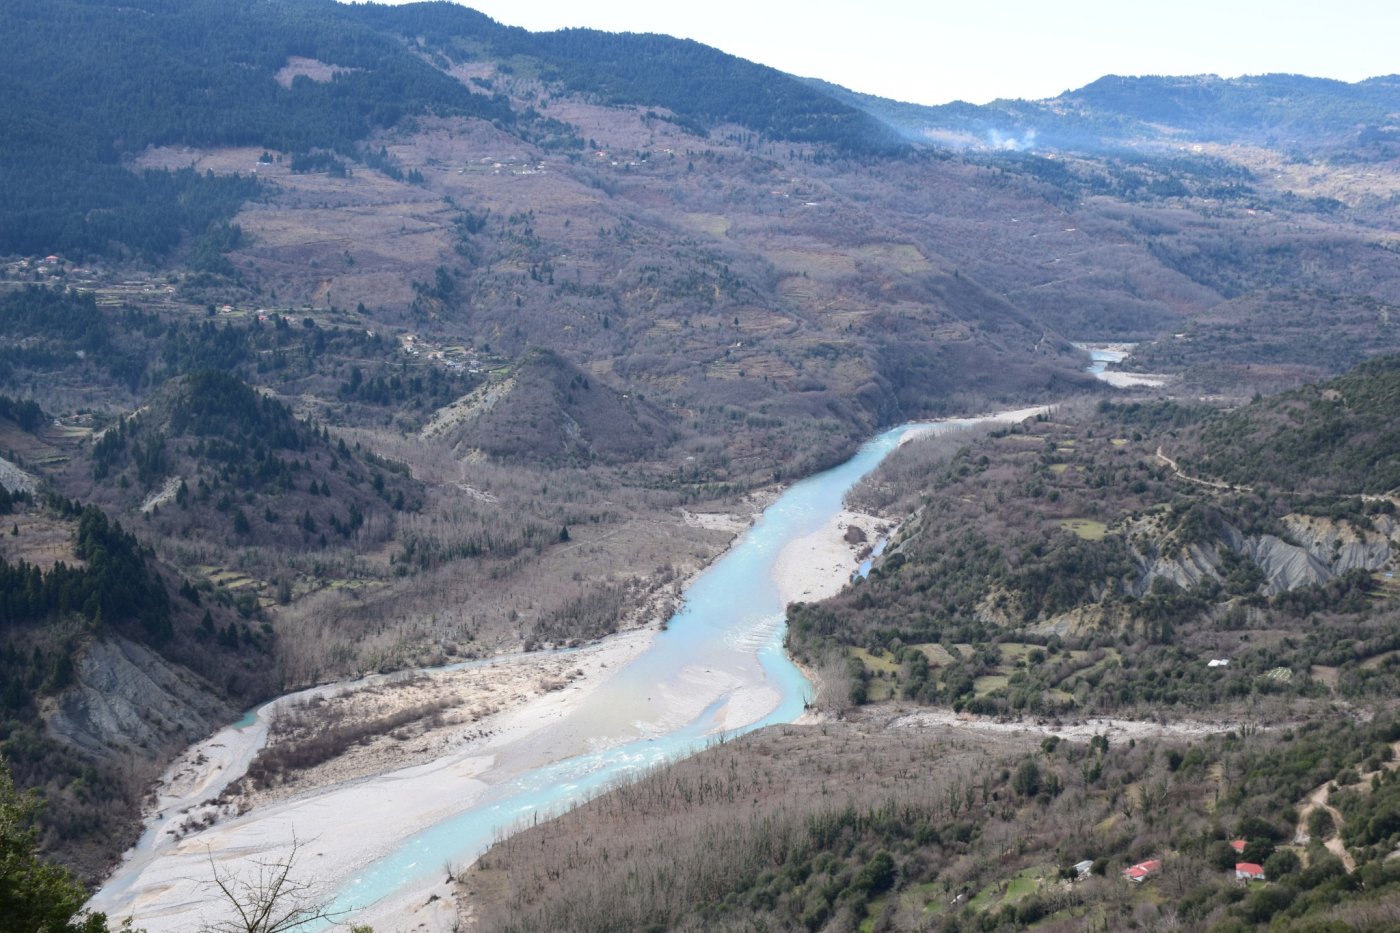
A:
{"x":207,"y":452}
{"x":549,"y":410}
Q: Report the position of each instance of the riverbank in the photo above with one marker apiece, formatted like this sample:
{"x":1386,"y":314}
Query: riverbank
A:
{"x":1079,"y":730}
{"x":399,"y":740}
{"x":460,"y":759}
{"x":819,"y":565}
{"x":356,"y":807}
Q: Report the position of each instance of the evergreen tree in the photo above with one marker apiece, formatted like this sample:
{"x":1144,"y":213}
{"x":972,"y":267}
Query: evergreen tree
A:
{"x":35,"y":896}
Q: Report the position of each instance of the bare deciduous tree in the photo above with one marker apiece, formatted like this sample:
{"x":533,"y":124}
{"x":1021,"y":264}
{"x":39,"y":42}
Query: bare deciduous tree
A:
{"x":269,"y":900}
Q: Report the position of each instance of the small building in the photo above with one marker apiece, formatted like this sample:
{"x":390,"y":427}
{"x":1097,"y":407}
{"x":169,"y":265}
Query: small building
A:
{"x":1218,"y":662}
{"x":1143,"y":870}
{"x":1082,"y":869}
{"x":1248,"y":871}
{"x":1238,"y":845}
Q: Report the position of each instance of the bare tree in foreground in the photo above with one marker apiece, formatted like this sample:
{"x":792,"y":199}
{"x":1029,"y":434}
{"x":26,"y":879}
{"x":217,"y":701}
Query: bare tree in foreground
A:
{"x":270,"y":900}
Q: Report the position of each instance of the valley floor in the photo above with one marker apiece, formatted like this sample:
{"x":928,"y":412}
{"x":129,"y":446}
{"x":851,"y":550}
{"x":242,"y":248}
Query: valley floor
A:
{"x":358,"y":804}
{"x":344,"y":773}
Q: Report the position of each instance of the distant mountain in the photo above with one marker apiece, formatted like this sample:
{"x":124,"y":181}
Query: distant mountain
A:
{"x":87,"y":84}
{"x":702,"y":86}
{"x":1114,"y":112}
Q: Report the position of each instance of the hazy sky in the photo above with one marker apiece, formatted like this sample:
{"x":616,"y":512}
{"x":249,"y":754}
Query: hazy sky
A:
{"x":935,"y":51}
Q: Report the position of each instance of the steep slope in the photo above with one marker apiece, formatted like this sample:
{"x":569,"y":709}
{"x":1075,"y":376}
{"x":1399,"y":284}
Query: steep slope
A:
{"x":88,"y":82}
{"x":105,"y":669}
{"x":701,"y":87}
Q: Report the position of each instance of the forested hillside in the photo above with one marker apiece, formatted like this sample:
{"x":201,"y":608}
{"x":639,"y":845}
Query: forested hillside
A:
{"x":87,"y":83}
{"x":1076,"y":565}
{"x":1336,"y":438}
{"x":892,"y":823}
{"x":701,"y":86}
{"x":209,"y":453}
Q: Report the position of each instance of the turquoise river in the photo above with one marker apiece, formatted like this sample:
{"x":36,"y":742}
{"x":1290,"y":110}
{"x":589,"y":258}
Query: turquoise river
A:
{"x":732,"y":619}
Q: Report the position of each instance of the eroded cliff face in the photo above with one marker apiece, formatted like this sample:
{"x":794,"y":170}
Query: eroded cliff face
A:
{"x":1319,"y":550}
{"x":128,"y":700}
{"x":1186,"y":568}
{"x":1343,"y":546}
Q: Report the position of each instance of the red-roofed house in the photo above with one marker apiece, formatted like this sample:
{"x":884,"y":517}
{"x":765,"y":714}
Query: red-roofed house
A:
{"x":1238,"y":846}
{"x":1248,"y":871}
{"x":1143,"y":870}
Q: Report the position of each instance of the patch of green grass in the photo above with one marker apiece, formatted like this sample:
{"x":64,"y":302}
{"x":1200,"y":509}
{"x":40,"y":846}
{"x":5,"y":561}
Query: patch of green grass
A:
{"x":937,"y":655}
{"x":1023,"y":883}
{"x":1119,"y":442}
{"x":878,"y":689}
{"x":932,"y":896}
{"x":1013,"y":651}
{"x":985,"y":898}
{"x":884,"y":662}
{"x":1384,"y":587}
{"x":1059,"y":468}
{"x":989,"y":683}
{"x":1085,"y":528}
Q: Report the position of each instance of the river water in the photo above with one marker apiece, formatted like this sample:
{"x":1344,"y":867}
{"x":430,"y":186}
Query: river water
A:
{"x":718,"y":668}
{"x":1104,"y":356}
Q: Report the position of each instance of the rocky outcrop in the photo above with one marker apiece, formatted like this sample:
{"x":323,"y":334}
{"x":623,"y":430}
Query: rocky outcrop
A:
{"x":1286,"y":566}
{"x":1341,"y":545}
{"x":1320,"y":549}
{"x":16,"y":480}
{"x":129,"y":699}
{"x":1185,"y":568}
